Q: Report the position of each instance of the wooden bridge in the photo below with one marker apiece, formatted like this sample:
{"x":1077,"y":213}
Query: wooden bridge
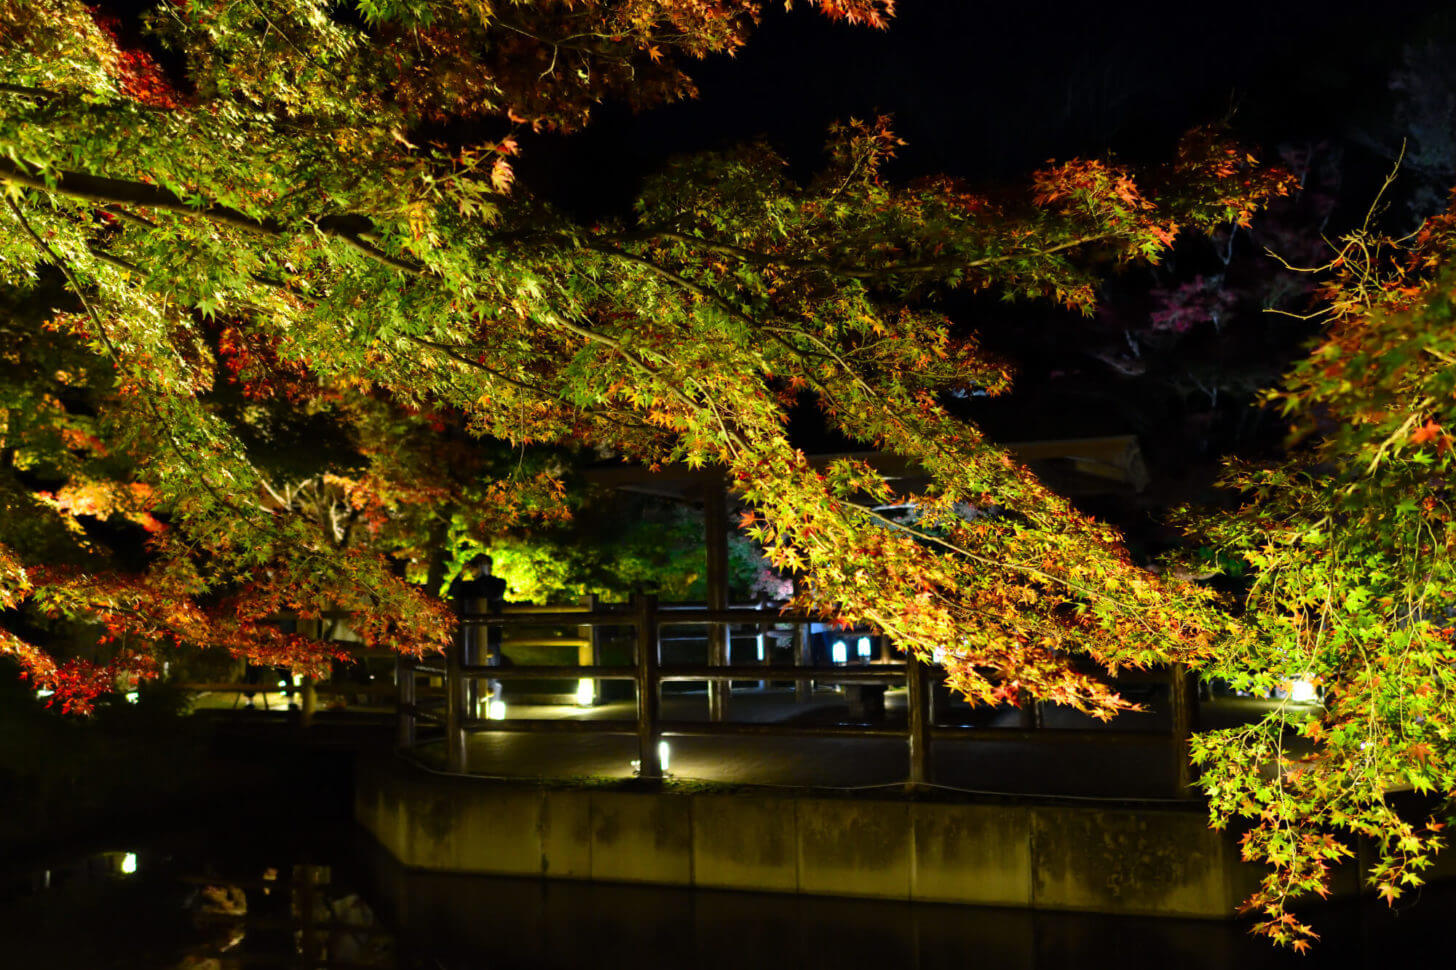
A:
{"x":616,"y":663}
{"x":562,"y":666}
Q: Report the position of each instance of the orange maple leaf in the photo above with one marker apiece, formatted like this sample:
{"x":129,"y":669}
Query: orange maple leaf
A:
{"x":1425,"y":433}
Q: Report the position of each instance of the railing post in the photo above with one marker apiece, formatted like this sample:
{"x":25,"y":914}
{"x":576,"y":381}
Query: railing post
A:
{"x":918,"y":734}
{"x":803,"y":657}
{"x":715,"y":531}
{"x":589,"y":655}
{"x":1031,"y":719}
{"x":305,"y":892}
{"x":649,"y":764}
{"x":455,"y":737}
{"x":404,"y":701}
{"x":308,"y":703}
{"x":760,"y":642}
{"x":1183,"y":707}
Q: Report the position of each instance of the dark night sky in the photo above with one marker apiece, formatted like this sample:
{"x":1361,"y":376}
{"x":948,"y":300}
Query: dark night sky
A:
{"x":988,"y":91}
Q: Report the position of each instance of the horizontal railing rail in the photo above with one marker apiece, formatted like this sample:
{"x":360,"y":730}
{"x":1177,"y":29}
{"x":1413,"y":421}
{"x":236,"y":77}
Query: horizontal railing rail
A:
{"x":445,"y":706}
{"x":646,"y":618}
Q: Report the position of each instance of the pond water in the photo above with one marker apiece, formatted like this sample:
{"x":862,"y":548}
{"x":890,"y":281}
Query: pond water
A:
{"x":251,"y":892}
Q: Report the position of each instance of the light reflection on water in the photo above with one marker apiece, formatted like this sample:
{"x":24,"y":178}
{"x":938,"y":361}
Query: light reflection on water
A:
{"x":329,"y":897}
{"x":181,"y":906}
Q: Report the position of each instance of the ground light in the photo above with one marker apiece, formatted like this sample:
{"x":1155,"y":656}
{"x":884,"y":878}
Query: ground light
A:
{"x":862,"y":647}
{"x":585,"y":692}
{"x":839,"y":653}
{"x":495,"y":710}
{"x":129,"y":863}
{"x":664,"y":758}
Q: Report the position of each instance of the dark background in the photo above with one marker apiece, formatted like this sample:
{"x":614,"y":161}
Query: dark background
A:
{"x":988,"y":91}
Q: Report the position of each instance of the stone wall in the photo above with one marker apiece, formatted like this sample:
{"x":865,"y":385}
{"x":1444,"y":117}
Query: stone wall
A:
{"x":1094,"y":858}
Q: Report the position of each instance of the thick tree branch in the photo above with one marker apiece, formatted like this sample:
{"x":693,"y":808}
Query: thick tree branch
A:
{"x":109,"y":191}
{"x":27,"y":92}
{"x":120,"y":192}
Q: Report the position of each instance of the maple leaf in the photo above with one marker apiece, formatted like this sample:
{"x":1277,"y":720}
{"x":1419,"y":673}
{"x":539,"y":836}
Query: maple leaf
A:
{"x":502,"y":175}
{"x":1425,"y":433}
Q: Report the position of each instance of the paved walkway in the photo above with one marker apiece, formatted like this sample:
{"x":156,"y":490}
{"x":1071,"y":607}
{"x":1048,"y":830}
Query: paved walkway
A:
{"x":1066,"y":766}
{"x":1142,"y":769}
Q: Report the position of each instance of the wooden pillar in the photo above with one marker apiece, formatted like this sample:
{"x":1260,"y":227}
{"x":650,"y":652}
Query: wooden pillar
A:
{"x":305,"y":896}
{"x":803,"y":657}
{"x":715,"y":534}
{"x":455,"y":696}
{"x":472,"y":648}
{"x":308,"y":703}
{"x":649,"y":764}
{"x":761,"y":642}
{"x":919,"y":722}
{"x":1183,"y":708}
{"x":589,"y":652}
{"x":404,"y":701}
{"x":1031,"y":714}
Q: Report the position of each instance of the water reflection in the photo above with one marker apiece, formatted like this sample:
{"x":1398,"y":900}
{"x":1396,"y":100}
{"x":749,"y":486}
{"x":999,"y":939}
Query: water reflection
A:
{"x":516,"y":924}
{"x":269,"y":896}
{"x":189,"y":905}
{"x":301,"y":919}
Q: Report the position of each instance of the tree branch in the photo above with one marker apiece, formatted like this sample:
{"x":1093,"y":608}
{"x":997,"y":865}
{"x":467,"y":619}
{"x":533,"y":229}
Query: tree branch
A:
{"x":112,"y":351}
{"x":109,"y":192}
{"x":26,"y":92}
{"x":454,"y":353}
{"x":849,"y":271}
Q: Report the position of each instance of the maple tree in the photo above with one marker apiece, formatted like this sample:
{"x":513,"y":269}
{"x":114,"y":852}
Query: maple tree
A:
{"x":268,"y":218}
{"x":1349,"y":544}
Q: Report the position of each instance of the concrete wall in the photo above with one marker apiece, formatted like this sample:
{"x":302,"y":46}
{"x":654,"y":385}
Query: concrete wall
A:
{"x":1163,"y":862}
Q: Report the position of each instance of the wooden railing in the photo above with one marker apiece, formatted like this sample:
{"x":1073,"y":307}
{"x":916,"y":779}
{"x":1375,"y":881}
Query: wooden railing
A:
{"x":452,"y":713}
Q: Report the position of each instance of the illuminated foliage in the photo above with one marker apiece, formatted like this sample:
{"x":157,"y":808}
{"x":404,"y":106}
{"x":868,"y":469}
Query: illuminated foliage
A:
{"x":268,"y":219}
{"x":619,"y":544}
{"x":1349,"y":543}
{"x":271,"y":235}
{"x":269,"y":315}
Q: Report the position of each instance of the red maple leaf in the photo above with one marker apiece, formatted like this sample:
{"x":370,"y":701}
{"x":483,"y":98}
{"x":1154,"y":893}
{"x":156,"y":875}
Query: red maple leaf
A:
{"x":1425,"y":432}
